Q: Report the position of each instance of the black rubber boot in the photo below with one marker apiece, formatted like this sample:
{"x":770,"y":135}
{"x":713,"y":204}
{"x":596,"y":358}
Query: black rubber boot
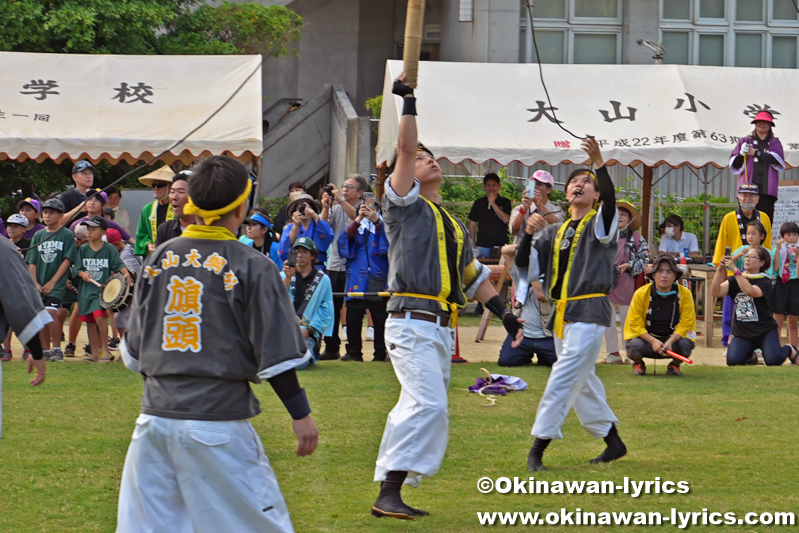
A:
{"x":389,"y":501}
{"x":536,"y":455}
{"x":615,"y":450}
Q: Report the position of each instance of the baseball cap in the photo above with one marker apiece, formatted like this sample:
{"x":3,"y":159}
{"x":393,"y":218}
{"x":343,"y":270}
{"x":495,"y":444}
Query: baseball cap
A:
{"x":30,"y":201}
{"x":83,"y":164}
{"x":20,"y":220}
{"x":80,"y":232}
{"x":544,"y":177}
{"x":54,"y":203}
{"x":96,"y":221}
{"x":305,"y":242}
{"x":750,"y":188}
{"x":113,"y":236}
{"x":97,"y":193}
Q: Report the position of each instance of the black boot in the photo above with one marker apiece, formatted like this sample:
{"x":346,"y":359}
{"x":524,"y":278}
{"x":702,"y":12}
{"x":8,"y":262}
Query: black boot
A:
{"x":615,"y":450}
{"x":536,"y":455}
{"x":389,"y":502}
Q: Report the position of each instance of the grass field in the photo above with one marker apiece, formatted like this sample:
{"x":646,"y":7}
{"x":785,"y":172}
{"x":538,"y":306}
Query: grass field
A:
{"x":729,"y":432}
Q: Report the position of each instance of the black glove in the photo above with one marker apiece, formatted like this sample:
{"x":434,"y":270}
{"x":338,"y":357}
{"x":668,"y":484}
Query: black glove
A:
{"x":400,"y":89}
{"x":511,"y":323}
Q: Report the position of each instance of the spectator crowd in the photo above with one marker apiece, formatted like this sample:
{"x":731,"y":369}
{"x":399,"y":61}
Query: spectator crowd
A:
{"x":333,"y":256}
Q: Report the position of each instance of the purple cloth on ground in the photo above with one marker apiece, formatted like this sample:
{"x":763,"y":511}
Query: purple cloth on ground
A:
{"x":490,"y":388}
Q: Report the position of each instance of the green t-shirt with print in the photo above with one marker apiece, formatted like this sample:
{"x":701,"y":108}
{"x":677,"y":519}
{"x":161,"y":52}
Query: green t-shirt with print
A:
{"x":48,"y":251}
{"x":99,"y":264}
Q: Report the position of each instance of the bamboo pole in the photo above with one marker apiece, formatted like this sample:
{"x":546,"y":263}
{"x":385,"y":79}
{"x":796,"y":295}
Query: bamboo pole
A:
{"x":414,"y":25}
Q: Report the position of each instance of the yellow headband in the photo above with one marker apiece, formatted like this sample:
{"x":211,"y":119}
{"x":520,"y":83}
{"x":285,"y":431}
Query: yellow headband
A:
{"x":209,"y":217}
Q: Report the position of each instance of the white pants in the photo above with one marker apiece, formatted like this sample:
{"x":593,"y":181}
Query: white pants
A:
{"x":196,"y":475}
{"x":573,"y":383}
{"x":612,"y":334}
{"x":415,"y":438}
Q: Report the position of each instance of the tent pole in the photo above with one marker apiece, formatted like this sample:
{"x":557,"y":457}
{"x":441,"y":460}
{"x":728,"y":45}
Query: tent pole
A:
{"x":646,"y":195}
{"x":706,"y":208}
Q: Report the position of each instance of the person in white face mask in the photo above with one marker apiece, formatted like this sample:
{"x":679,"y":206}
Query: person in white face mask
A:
{"x":632,"y":258}
{"x":676,"y":240}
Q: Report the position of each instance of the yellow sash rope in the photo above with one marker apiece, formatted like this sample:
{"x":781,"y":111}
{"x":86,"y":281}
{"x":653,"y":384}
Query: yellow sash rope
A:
{"x":453,"y":307}
{"x":560,"y":303}
{"x":560,"y":309}
{"x":446,"y":282}
{"x":170,"y":214}
{"x":210,"y":216}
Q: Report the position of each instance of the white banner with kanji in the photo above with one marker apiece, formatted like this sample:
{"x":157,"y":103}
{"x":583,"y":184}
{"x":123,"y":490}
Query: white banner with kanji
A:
{"x":71,"y":106}
{"x":651,"y":114}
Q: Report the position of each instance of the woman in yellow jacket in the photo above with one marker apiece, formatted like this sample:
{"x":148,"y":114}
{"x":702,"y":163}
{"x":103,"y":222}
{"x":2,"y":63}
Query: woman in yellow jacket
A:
{"x":661,"y":317}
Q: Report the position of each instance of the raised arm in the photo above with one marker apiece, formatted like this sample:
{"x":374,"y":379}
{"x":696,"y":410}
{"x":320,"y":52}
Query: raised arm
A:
{"x":405,"y":165}
{"x":720,"y":286}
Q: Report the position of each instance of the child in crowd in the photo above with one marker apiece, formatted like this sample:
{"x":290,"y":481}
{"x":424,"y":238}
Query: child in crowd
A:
{"x":16,"y":226}
{"x":72,"y":298}
{"x":755,"y":237}
{"x":95,"y":203}
{"x":97,"y":260}
{"x":786,"y":293}
{"x":30,"y":208}
{"x":127,"y":254}
{"x":52,"y":253}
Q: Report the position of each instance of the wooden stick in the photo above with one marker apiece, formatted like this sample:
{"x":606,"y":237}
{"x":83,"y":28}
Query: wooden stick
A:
{"x":414,"y":25}
{"x":363,"y":294}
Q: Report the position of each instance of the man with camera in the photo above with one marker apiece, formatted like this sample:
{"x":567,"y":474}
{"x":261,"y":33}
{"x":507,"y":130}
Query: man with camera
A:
{"x":339,"y":209}
{"x":305,"y":222}
{"x":535,"y":199}
{"x":310,"y":292}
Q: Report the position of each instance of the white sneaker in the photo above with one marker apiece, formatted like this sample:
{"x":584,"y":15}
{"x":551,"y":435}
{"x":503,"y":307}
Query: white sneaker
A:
{"x":343,"y":335}
{"x":759,"y":353}
{"x":370,"y":333}
{"x":724,"y":352}
{"x":613,"y":359}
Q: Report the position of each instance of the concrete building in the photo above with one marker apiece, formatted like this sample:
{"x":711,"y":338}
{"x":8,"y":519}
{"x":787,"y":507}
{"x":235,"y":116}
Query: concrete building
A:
{"x":346,"y":43}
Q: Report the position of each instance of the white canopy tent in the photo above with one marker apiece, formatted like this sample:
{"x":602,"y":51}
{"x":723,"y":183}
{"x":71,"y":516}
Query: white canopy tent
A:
{"x":650,"y":114}
{"x":69,"y":106}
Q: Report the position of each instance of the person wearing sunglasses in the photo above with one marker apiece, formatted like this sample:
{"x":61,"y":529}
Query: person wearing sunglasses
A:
{"x":156,"y":213}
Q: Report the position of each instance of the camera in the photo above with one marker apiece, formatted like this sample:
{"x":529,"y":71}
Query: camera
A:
{"x":292,"y":260}
{"x":328,"y":189}
{"x":727,"y":251}
{"x":369,"y":198}
{"x":301,"y":209}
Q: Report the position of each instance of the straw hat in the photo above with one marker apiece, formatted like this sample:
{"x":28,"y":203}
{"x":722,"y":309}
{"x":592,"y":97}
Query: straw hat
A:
{"x":635,"y":221}
{"x":163,"y":174}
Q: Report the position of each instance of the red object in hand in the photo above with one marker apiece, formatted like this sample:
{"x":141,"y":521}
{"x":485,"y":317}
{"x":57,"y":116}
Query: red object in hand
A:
{"x":680,"y":357}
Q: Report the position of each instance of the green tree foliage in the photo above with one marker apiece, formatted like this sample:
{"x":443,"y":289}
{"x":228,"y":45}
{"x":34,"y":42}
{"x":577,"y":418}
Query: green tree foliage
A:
{"x":146,"y":27}
{"x":129,"y":27}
